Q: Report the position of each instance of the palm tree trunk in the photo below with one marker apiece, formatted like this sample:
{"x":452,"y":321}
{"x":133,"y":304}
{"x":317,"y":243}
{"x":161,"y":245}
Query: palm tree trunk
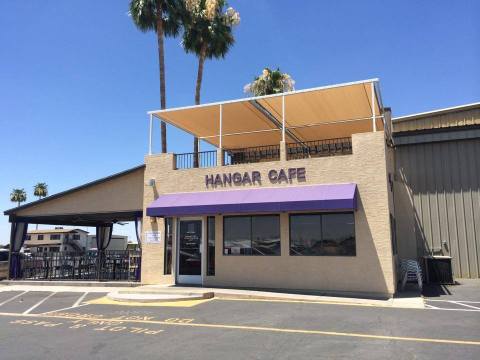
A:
{"x":36,"y":225}
{"x":201,"y":62}
{"x":161,"y":62}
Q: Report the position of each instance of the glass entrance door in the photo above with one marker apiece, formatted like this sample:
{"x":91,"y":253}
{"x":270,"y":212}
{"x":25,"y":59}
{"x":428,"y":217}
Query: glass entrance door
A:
{"x":189,"y":251}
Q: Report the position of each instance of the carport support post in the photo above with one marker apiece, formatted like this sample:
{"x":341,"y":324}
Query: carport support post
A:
{"x":373,"y":107}
{"x":283,"y":146}
{"x":12,"y":231}
{"x":220,"y":161}
{"x":283,"y":118}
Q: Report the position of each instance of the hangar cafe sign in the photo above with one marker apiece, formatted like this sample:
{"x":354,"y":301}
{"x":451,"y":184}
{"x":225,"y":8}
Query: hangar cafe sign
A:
{"x":274,"y":176}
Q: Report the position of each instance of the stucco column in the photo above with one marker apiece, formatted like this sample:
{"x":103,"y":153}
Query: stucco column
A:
{"x":220,"y":161}
{"x":283,"y":151}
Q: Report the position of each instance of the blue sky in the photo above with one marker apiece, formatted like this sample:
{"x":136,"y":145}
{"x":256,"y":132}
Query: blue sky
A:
{"x":76,"y":78}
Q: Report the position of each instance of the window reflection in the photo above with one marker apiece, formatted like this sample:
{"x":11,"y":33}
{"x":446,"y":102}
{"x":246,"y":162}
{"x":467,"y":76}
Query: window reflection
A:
{"x":251,"y":235}
{"x":322,"y":234}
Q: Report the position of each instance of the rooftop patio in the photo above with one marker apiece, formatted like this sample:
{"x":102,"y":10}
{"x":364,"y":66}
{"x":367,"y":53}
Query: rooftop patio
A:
{"x":300,"y":124}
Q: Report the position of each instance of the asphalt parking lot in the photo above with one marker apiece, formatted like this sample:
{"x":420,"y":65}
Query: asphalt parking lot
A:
{"x":82,"y":325}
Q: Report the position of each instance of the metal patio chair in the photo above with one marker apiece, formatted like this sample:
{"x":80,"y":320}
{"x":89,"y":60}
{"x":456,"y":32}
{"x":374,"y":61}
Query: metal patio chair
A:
{"x":411,"y":271}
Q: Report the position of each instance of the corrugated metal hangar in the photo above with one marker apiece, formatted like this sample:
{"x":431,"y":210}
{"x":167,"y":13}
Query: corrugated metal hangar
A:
{"x":437,"y":186}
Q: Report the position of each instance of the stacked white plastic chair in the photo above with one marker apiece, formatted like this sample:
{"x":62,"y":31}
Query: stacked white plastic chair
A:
{"x":411,"y":271}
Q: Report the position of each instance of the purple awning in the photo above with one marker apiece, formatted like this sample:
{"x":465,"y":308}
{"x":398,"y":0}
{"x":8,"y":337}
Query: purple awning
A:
{"x":292,"y":198}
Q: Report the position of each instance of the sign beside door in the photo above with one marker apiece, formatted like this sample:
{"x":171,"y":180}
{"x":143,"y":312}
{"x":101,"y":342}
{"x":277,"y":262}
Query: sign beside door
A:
{"x":153,"y":237}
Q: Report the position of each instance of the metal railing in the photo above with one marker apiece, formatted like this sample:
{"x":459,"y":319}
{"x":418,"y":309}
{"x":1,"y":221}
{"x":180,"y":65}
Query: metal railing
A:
{"x":91,"y":265}
{"x":251,"y":155}
{"x":319,"y":148}
{"x":187,"y":160}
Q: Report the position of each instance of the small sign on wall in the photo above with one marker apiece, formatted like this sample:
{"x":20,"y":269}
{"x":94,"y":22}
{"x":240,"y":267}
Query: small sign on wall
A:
{"x":153,"y":237}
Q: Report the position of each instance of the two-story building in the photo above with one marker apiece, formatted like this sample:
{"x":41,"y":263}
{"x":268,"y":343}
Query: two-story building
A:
{"x":295,"y":193}
{"x":56,"y":240}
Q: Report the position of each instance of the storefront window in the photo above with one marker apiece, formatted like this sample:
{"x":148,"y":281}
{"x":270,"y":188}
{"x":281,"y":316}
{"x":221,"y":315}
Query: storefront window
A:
{"x":322,"y":234}
{"x":211,"y":246}
{"x":251,"y":235}
{"x":167,"y":263}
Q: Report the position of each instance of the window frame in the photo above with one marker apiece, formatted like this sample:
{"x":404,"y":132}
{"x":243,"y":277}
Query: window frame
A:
{"x":168,"y":252}
{"x":251,"y":232}
{"x":210,"y":253}
{"x":321,"y":213}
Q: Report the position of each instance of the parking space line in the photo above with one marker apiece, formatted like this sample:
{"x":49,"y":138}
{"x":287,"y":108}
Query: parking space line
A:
{"x":262,"y":329}
{"x":463,"y":305}
{"x":13,"y":298}
{"x":450,"y":309}
{"x":463,"y":301}
{"x":467,"y":305}
{"x":63,"y":309}
{"x":38,"y":304}
{"x":80,"y":299}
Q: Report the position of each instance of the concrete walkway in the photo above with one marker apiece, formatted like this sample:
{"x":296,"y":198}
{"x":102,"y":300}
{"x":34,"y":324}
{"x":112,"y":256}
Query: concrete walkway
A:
{"x":159,"y":293}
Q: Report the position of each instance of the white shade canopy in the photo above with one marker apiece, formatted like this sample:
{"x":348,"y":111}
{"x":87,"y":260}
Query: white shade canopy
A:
{"x":312,"y":114}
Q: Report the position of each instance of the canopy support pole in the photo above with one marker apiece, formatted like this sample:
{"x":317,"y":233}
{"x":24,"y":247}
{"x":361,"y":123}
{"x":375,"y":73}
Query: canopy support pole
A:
{"x":150,"y":135}
{"x":220,"y":145}
{"x":283,"y":118}
{"x":220,"y":154}
{"x":373,"y":107}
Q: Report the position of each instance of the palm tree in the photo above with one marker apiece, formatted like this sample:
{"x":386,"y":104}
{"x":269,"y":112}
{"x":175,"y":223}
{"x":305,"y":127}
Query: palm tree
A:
{"x":208,"y":33}
{"x":18,"y":196}
{"x":270,"y":82}
{"x":40,"y":190}
{"x":163,"y":17}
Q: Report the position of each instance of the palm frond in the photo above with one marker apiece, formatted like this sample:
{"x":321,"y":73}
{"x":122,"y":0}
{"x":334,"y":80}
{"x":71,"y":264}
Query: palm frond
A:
{"x":144,"y":15}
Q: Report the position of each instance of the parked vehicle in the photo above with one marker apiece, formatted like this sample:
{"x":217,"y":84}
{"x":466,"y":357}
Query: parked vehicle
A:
{"x":3,"y":264}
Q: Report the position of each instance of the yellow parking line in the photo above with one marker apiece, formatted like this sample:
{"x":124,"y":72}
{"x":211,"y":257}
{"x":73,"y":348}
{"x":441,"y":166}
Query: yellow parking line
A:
{"x":263,"y":329}
{"x":184,"y":303}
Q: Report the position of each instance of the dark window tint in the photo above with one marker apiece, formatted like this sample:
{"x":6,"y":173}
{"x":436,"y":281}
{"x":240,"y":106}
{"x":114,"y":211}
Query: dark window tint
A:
{"x":305,"y":235}
{"x":3,"y":255}
{"x":322,"y":234}
{"x":40,"y":237}
{"x":167,"y":261}
{"x":236,"y":235}
{"x":251,"y":235}
{"x":266,"y":235}
{"x":189,"y":252}
{"x":211,"y":246}
{"x":55,"y":237}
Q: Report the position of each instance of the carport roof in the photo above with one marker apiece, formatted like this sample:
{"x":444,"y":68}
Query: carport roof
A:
{"x":118,"y":197}
{"x":63,"y":193}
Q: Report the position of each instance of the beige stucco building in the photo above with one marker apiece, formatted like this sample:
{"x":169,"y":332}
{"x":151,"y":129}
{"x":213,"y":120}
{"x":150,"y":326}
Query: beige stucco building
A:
{"x":321,"y":140}
{"x":370,"y":270}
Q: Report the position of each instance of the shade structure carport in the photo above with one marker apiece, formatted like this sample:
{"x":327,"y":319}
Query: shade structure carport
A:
{"x":98,"y":204}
